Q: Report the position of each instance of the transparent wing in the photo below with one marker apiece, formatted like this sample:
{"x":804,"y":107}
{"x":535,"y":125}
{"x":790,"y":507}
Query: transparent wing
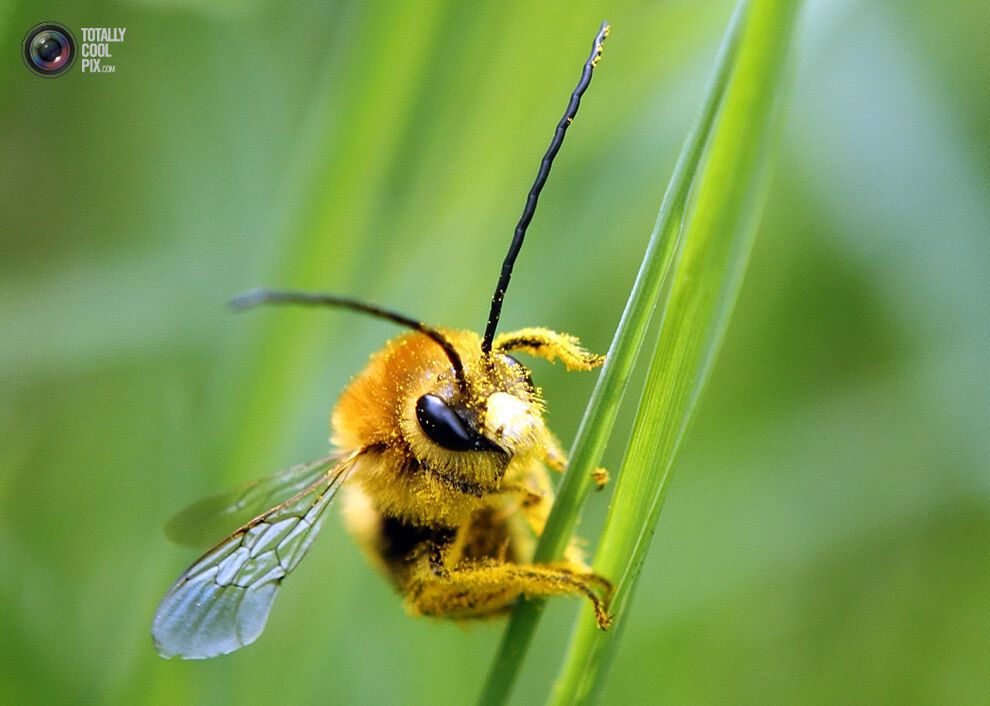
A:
{"x":203,"y":521}
{"x":221,"y":603}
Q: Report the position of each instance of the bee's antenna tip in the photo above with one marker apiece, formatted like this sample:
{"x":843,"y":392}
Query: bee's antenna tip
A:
{"x":248,"y":299}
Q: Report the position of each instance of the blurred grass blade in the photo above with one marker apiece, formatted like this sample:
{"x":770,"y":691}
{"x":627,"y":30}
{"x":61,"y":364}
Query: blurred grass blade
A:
{"x":718,"y":229}
{"x":599,"y":417}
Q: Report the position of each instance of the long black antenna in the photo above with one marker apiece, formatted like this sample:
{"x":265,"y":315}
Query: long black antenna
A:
{"x":254,"y":297}
{"x":541,"y":179}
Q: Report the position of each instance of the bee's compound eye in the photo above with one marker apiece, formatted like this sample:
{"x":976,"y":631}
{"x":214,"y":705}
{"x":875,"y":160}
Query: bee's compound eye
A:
{"x":442,"y":425}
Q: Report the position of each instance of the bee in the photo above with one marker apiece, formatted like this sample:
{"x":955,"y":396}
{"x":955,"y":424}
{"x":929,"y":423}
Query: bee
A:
{"x":443,"y":455}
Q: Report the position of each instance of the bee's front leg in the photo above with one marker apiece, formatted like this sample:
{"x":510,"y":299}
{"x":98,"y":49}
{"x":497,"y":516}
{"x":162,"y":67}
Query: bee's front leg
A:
{"x":550,"y":345}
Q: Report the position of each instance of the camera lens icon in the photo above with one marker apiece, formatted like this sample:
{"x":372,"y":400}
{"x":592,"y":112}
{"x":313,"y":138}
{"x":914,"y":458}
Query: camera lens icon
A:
{"x":49,"y":49}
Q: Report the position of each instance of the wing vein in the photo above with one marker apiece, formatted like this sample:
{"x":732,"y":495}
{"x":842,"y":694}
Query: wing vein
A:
{"x":222,"y":601}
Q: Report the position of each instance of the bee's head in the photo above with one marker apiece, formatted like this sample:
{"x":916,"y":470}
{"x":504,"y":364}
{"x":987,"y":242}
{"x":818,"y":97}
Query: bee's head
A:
{"x":476,"y":424}
{"x":497,"y":409}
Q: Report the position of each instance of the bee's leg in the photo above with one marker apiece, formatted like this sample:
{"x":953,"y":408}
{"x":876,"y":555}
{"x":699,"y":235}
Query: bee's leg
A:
{"x":555,"y":458}
{"x":551,"y":345}
{"x":531,"y":503}
{"x":553,"y":455}
{"x":527,"y":496}
{"x":531,"y":484}
{"x":490,"y":587}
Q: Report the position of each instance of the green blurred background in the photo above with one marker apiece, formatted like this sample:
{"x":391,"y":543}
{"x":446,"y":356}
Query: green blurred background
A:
{"x":827,"y":534}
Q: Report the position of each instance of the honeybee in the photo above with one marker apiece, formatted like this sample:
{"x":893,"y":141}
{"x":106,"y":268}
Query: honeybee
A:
{"x":443,"y":453}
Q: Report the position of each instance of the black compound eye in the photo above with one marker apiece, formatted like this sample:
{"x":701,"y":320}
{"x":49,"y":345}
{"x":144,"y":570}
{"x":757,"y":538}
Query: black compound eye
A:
{"x":439,"y":422}
{"x":446,"y":428}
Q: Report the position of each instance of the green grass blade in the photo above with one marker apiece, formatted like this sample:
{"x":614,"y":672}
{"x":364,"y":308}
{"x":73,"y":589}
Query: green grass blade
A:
{"x":599,"y":417}
{"x":719,"y":225}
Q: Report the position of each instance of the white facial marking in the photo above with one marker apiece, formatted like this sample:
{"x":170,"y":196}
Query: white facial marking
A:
{"x":510,"y":420}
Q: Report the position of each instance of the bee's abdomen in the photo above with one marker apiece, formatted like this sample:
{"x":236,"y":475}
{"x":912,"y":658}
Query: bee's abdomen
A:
{"x":402,"y":542}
